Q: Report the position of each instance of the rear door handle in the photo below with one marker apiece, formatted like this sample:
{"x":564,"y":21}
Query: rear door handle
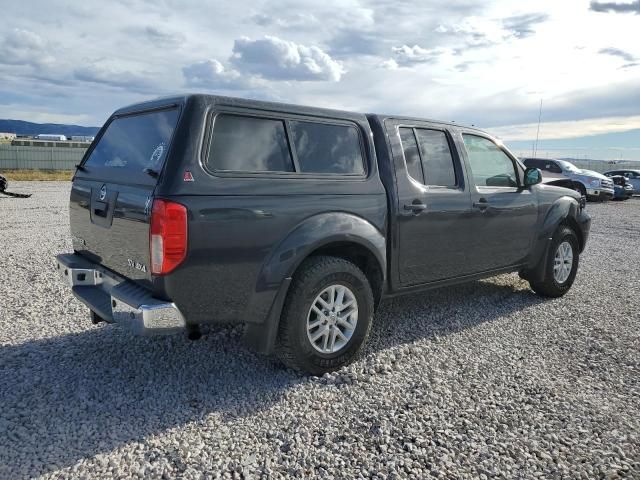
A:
{"x":415,"y":207}
{"x":481,"y":204}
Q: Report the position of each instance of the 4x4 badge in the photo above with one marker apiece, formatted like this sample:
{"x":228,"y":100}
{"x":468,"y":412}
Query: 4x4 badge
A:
{"x":103,"y":192}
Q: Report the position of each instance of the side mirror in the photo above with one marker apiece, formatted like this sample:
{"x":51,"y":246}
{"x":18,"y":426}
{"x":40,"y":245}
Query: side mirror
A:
{"x":532,"y":176}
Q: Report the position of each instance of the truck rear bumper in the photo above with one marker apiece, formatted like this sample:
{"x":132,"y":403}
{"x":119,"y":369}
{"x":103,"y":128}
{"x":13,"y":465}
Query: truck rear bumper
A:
{"x":116,"y":299}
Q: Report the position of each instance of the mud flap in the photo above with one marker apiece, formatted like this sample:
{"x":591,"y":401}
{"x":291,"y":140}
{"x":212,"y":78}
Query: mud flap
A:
{"x":261,"y":337}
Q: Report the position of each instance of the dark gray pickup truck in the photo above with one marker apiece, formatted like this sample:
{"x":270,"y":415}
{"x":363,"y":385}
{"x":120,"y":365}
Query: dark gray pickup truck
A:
{"x":296,"y":221}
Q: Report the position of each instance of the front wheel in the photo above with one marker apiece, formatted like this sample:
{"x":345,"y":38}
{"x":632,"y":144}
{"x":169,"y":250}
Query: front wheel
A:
{"x":561,"y":264}
{"x":326,"y":317}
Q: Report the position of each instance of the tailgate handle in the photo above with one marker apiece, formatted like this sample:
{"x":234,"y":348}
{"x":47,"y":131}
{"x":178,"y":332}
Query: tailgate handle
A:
{"x":100,"y":208}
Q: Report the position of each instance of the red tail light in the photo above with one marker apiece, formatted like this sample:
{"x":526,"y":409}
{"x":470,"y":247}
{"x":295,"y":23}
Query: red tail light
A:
{"x":167,"y":236}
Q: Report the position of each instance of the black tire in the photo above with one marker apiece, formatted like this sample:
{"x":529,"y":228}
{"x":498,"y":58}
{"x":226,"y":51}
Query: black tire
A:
{"x":550,"y":287}
{"x":293,"y":347}
{"x":578,"y":187}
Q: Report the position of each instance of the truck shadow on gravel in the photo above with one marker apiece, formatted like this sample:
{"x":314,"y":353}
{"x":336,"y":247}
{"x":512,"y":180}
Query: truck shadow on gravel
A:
{"x":75,"y":396}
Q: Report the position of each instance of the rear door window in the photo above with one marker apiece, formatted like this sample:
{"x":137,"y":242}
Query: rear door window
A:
{"x":327,"y":148}
{"x":437,"y":161}
{"x":130,"y":145}
{"x":553,"y":167}
{"x":249,"y":144}
{"x":411,"y":154}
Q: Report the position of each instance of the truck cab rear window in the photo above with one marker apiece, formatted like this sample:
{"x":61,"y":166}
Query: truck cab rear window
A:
{"x":130,"y":145}
{"x":249,"y":144}
{"x":325,"y":148}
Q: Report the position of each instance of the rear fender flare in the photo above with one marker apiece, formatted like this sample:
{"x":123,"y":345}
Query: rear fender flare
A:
{"x":263,"y":311}
{"x":316,"y":232}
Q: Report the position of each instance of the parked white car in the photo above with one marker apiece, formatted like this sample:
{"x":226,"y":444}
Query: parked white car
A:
{"x":593,"y":185}
{"x":632,"y":175}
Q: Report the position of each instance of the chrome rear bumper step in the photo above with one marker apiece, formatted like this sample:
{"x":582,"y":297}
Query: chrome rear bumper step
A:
{"x":118,"y":300}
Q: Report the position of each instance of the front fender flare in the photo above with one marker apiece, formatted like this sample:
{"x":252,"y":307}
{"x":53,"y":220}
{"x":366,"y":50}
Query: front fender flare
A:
{"x":561,"y":209}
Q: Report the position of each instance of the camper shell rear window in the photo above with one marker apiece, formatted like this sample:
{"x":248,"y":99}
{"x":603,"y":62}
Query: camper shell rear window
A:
{"x":133,"y":148}
{"x":256,"y":144}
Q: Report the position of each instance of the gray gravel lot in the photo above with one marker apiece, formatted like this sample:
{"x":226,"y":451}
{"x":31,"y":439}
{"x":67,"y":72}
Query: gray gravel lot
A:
{"x":479,"y":381}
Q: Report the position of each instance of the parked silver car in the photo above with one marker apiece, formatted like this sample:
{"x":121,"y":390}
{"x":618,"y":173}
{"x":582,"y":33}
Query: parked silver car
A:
{"x":593,"y":185}
{"x":632,"y":175}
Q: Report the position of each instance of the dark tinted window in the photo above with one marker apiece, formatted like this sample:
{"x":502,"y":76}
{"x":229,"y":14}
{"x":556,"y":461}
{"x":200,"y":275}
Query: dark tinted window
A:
{"x":411,"y":155}
{"x":324,"y":148}
{"x":534,"y":163}
{"x":437,"y":162}
{"x":552,"y":167}
{"x":491,"y":167}
{"x":130,"y":145}
{"x":249,"y":144}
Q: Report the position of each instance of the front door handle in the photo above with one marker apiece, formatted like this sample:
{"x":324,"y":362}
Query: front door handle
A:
{"x":481,"y":204}
{"x":415,"y":207}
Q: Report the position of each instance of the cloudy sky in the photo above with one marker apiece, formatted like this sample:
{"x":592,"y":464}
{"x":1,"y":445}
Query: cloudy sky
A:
{"x":487,"y":63}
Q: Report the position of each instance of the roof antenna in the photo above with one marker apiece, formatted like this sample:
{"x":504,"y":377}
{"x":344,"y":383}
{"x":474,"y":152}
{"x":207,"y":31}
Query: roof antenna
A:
{"x":535,"y":148}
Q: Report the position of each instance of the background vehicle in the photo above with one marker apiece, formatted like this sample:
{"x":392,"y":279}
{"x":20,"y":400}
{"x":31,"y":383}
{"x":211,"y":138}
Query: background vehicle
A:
{"x":296,"y":221}
{"x":622,"y":187}
{"x":593,"y":185}
{"x":633,"y":177}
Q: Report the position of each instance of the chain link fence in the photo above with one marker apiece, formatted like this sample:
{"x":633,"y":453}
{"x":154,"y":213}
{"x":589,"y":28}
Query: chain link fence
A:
{"x":39,"y":158}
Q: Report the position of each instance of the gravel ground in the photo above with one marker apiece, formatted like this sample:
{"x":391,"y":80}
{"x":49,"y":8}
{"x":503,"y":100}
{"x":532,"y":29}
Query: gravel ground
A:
{"x":479,"y":381}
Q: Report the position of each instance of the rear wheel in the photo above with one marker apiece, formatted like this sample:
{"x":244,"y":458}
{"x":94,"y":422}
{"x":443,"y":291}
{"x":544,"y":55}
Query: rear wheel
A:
{"x":326,"y":317}
{"x":561,"y":264}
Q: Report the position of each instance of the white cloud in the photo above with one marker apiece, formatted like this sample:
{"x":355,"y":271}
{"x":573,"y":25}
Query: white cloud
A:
{"x":24,"y":47}
{"x":211,"y":74}
{"x":477,"y":31}
{"x":406,"y":55}
{"x":276,"y":59}
{"x":110,"y":75}
{"x":163,"y":36}
{"x":568,"y":129}
{"x":487,"y":63}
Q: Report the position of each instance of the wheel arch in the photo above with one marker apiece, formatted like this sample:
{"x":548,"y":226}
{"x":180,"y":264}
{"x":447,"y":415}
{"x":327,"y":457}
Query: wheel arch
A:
{"x":563,"y":211}
{"x":572,"y":223}
{"x":338,"y":234}
{"x":359,"y":255}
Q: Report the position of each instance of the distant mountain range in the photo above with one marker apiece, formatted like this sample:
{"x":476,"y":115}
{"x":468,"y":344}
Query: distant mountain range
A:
{"x":21,"y":127}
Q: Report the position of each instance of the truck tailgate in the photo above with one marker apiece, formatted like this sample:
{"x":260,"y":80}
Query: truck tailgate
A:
{"x":112,"y":190}
{"x":110,"y":226}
